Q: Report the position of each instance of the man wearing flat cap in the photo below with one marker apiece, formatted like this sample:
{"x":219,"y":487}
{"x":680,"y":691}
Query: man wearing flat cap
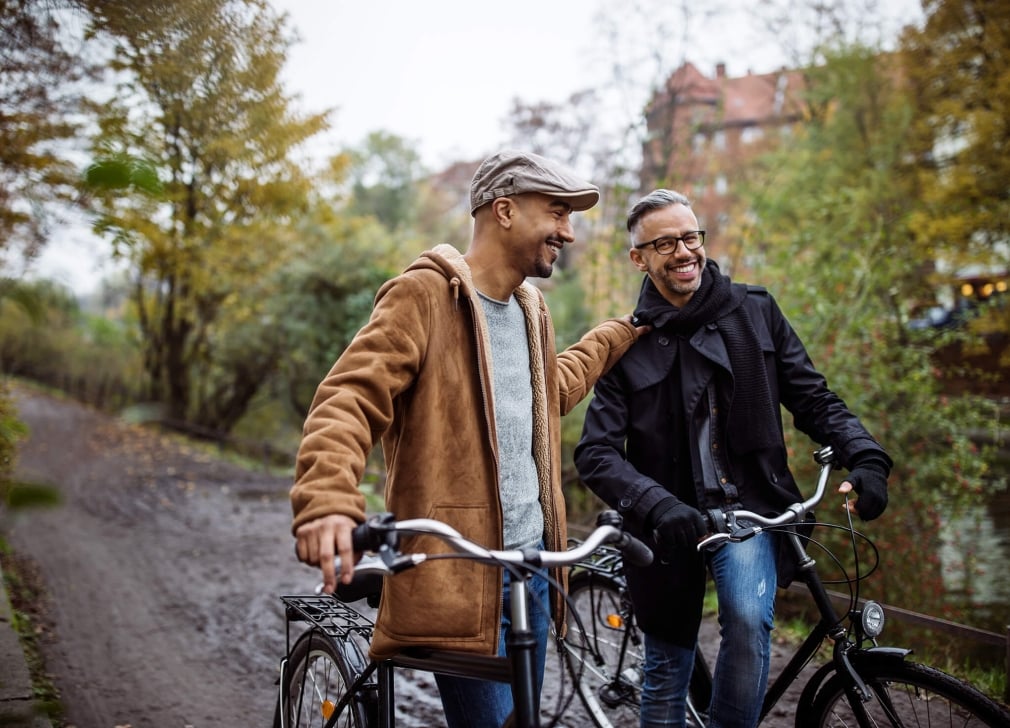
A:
{"x":468,"y":418}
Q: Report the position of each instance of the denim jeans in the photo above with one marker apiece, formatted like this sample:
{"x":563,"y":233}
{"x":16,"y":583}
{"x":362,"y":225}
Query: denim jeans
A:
{"x":745,"y":582}
{"x":485,"y":704}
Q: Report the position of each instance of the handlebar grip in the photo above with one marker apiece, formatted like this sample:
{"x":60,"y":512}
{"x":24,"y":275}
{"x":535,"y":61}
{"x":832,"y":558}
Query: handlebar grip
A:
{"x":635,"y":552}
{"x":374,"y":533}
{"x":361,"y":537}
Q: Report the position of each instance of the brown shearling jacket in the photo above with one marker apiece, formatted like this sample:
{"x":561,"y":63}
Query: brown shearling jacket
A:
{"x":418,"y":376}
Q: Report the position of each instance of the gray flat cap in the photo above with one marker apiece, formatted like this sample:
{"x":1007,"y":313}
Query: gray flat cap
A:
{"x":511,"y":172}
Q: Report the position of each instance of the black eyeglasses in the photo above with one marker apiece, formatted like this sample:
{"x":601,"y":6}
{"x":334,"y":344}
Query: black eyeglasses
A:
{"x":668,"y":243}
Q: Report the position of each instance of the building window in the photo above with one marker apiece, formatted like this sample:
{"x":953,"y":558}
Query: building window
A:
{"x":720,"y":140}
{"x":751,"y":134}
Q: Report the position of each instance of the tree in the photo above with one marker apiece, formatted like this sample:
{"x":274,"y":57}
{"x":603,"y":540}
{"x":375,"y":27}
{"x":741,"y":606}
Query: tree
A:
{"x":959,"y":73}
{"x":326,"y":298}
{"x":829,"y":228}
{"x":39,"y":103}
{"x":199,"y":101}
{"x":383,"y":177}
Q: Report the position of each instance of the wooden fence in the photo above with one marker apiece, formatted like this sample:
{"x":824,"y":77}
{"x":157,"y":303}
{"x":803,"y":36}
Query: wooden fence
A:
{"x":962,"y":631}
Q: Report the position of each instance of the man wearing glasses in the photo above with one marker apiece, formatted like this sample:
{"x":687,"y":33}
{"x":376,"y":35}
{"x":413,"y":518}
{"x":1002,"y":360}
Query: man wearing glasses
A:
{"x":689,"y":423}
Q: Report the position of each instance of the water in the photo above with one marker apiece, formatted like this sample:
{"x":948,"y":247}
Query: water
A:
{"x":974,"y":552}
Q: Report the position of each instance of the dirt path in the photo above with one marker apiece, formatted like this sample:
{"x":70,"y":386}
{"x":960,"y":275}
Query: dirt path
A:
{"x":162,"y":567}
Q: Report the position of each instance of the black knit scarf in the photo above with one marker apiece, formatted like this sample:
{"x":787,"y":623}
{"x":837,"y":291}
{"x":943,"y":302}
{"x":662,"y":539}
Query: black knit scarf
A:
{"x":752,"y":422}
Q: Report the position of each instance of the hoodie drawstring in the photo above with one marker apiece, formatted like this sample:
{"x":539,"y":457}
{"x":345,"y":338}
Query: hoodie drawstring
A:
{"x":454,"y":284}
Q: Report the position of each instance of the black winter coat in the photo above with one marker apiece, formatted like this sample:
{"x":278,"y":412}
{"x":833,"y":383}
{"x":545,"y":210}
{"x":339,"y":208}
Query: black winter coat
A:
{"x":632,"y":439}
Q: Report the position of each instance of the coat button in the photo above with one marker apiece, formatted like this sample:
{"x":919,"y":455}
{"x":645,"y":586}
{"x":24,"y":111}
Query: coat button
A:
{"x":664,"y":341}
{"x":624,"y":504}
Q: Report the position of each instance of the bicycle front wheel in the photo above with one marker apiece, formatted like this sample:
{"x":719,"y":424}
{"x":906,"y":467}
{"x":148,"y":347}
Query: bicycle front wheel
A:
{"x":604,"y":651}
{"x":904,"y":694}
{"x":315,"y":677}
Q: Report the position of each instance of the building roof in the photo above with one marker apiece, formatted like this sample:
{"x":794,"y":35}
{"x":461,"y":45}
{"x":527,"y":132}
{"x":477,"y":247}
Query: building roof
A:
{"x":743,"y":100}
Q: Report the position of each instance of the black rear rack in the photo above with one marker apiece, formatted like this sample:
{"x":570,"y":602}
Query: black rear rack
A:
{"x":329,"y":615}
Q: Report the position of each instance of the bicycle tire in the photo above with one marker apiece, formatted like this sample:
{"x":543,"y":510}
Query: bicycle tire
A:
{"x":609,"y":690}
{"x":905,"y":694}
{"x":315,"y":677}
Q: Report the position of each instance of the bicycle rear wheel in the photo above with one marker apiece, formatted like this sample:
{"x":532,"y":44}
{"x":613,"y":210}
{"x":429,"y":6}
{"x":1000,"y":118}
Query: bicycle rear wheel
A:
{"x":604,"y":651}
{"x":315,"y":677}
{"x":905,"y":694}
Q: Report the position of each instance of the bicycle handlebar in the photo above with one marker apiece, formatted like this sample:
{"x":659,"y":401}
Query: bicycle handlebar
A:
{"x":729,"y":530}
{"x":380,"y":534}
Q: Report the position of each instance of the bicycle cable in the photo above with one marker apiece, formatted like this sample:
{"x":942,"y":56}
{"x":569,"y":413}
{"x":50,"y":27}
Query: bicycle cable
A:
{"x":850,"y":581}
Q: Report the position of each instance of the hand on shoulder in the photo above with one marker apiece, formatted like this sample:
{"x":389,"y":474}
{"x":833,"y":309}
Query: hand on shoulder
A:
{"x":640,"y":330}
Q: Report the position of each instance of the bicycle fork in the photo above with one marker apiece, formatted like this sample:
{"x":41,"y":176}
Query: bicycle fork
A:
{"x":830,"y":626}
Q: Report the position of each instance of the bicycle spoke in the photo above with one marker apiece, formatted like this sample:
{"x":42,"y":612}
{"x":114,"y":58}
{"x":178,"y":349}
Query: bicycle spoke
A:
{"x":605,"y":661}
{"x":908,"y":695}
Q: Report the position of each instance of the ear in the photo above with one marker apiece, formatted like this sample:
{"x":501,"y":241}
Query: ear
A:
{"x":503,"y":209}
{"x":636,"y":257}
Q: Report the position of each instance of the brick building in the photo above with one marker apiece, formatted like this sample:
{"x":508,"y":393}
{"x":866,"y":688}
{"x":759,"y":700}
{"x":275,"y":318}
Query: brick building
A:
{"x":702,"y":131}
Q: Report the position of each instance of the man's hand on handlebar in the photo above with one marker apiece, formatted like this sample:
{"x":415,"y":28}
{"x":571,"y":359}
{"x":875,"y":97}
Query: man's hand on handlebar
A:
{"x":319,"y":541}
{"x":868,"y":477}
{"x":676,"y":524}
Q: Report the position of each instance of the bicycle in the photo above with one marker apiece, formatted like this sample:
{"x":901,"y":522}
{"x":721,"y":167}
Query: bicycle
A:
{"x":862,"y":685}
{"x":327,"y":678}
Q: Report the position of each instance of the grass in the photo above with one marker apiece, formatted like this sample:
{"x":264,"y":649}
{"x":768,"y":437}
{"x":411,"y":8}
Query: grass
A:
{"x":27,"y":600}
{"x":990,"y":680}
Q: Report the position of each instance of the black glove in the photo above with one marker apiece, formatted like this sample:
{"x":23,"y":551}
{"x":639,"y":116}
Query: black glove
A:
{"x":869,"y":479}
{"x":675,"y":524}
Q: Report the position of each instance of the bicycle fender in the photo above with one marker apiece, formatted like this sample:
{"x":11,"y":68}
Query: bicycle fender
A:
{"x":856,"y":657}
{"x":895,"y":653}
{"x":806,"y":700}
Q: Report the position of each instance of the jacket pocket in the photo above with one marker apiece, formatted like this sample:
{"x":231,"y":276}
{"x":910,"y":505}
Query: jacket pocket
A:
{"x":443,"y":599}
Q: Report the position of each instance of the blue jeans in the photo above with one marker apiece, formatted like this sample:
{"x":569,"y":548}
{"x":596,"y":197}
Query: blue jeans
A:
{"x":745,"y":582}
{"x":485,"y":704}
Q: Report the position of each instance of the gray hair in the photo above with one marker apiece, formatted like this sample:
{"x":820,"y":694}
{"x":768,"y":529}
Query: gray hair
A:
{"x":655,"y":200}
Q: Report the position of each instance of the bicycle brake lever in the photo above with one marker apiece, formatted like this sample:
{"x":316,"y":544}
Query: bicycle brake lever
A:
{"x":713,"y":540}
{"x":742,"y":534}
{"x":368,"y":566}
{"x":718,"y":539}
{"x":379,"y":565}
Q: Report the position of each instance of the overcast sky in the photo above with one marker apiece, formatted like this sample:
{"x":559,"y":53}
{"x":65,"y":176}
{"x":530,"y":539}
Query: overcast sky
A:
{"x":443,"y":73}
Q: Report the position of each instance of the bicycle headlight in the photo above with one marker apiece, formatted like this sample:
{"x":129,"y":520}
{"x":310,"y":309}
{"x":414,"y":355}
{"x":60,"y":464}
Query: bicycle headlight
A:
{"x":873,"y":619}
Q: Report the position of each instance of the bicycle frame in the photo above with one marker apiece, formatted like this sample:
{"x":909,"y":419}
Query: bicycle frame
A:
{"x":830,"y":625}
{"x":378,"y":677}
{"x":862,"y":684}
{"x":342,"y":624}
